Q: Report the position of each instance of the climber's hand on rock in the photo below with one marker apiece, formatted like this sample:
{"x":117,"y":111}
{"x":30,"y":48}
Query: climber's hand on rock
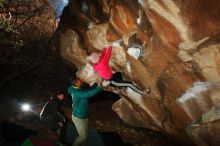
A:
{"x":105,"y":83}
{"x":99,"y":81}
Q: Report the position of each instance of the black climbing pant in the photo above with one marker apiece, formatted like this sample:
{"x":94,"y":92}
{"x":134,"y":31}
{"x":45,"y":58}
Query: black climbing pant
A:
{"x":117,"y":81}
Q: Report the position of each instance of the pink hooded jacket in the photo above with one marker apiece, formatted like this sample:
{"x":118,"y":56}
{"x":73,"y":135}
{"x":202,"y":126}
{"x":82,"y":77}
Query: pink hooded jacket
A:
{"x":102,"y":67}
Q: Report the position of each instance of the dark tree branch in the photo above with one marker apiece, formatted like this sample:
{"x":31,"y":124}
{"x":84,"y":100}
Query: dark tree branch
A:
{"x":29,"y":17}
{"x":17,"y":74}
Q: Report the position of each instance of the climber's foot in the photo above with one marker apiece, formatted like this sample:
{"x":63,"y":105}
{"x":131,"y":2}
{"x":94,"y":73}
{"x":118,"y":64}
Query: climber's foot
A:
{"x":148,"y":90}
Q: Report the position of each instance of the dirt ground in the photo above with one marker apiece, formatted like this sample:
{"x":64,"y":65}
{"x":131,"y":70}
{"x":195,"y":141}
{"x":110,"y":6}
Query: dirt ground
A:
{"x":102,"y":117}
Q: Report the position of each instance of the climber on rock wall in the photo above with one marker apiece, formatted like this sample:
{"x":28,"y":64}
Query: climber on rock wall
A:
{"x":101,"y":66}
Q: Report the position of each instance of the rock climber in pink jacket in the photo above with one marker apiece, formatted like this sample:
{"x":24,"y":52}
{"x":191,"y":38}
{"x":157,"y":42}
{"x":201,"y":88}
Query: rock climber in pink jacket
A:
{"x":102,"y":68}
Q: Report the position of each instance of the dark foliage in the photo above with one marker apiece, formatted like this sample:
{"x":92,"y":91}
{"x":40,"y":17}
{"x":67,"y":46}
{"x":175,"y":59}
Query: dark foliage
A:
{"x":28,"y":55}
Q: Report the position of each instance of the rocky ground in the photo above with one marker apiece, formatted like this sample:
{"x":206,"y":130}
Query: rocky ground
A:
{"x":102,"y":117}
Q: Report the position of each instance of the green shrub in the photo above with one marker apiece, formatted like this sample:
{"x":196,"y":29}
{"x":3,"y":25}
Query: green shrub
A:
{"x":5,"y":22}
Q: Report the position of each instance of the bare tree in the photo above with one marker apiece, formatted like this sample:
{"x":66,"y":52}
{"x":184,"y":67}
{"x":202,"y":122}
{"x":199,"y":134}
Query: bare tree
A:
{"x":26,"y":28}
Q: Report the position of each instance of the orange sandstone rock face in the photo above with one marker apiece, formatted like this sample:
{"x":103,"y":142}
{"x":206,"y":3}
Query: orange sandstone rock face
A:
{"x":206,"y":130}
{"x":177,"y":56}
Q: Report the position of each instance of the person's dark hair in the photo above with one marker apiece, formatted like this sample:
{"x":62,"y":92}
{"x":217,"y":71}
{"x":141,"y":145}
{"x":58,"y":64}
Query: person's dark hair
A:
{"x":59,"y":91}
{"x":75,"y":80}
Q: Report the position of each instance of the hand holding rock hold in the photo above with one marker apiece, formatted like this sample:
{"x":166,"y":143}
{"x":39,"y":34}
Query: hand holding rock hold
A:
{"x":105,"y":83}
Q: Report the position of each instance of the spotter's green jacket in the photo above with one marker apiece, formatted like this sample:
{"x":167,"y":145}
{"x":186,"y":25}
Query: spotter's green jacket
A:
{"x":80,"y":99}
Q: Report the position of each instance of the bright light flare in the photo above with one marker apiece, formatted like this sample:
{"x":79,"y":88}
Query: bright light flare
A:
{"x":26,"y":107}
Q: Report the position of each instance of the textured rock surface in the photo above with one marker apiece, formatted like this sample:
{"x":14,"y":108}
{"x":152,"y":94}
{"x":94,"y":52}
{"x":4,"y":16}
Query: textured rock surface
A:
{"x":178,"y":56}
{"x":206,"y":130}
